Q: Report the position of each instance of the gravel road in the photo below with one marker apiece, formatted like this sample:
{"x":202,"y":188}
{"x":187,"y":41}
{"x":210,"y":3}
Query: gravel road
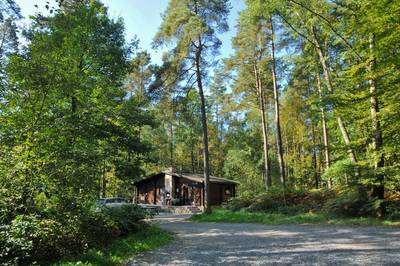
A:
{"x":254,"y":244}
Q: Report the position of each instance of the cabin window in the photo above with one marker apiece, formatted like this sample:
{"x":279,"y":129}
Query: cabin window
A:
{"x":227,"y":192}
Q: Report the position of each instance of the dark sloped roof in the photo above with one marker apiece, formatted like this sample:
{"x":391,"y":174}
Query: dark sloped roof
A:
{"x":199,"y":178}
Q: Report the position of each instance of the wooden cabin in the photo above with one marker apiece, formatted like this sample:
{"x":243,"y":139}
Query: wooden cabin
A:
{"x":168,"y":188}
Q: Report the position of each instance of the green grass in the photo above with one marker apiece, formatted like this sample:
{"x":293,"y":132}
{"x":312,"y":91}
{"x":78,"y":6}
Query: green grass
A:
{"x":121,"y":250}
{"x":220,"y":215}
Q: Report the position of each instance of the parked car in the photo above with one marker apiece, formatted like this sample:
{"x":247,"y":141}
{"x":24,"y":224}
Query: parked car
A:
{"x":112,"y":202}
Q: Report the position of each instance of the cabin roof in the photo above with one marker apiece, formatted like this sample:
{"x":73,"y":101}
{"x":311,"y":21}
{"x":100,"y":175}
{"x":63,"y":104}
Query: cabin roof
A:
{"x":199,"y":178}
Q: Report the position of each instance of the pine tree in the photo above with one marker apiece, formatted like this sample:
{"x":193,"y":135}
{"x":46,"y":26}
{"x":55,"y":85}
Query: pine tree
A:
{"x":193,"y":26}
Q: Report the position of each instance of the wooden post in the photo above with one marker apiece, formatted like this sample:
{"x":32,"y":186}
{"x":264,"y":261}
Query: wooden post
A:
{"x":202,"y":194}
{"x":222,"y":192}
{"x":155,"y":191}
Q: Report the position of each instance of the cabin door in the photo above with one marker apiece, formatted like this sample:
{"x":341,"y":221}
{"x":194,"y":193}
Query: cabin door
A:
{"x":185,"y":195}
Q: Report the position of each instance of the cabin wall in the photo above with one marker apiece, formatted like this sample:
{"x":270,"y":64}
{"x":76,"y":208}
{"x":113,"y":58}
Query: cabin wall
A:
{"x":221,"y":193}
{"x":183,"y":191}
{"x":151,"y":191}
{"x":215,"y":194}
{"x":187,"y":192}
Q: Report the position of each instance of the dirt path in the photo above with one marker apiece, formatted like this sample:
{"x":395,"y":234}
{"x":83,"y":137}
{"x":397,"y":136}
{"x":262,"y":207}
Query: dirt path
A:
{"x":253,"y":244}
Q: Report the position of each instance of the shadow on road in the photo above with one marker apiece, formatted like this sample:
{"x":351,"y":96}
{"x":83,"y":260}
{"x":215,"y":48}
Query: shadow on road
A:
{"x":254,"y":244}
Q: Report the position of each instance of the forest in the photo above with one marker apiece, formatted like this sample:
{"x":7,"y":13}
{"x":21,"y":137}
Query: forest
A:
{"x":307,"y":103}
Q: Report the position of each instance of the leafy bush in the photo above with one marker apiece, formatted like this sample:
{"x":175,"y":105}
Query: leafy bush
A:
{"x":238,"y":203}
{"x":31,"y":238}
{"x":341,"y":172}
{"x":58,"y":238}
{"x":286,"y":201}
{"x":351,"y":202}
{"x":126,"y":217}
{"x":393,"y":209}
{"x":16,"y":243}
{"x":99,"y":228}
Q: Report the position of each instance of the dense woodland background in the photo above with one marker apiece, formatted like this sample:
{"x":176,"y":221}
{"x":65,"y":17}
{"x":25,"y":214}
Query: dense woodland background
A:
{"x":309,"y":99}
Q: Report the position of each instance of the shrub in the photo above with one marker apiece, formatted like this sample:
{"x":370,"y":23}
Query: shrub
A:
{"x":351,"y":202}
{"x":57,"y":238}
{"x":341,"y":172}
{"x":279,"y":200}
{"x":393,"y":209}
{"x":126,"y":217}
{"x":16,"y":243}
{"x":265,"y":202}
{"x":99,"y":228}
{"x":236,"y":204}
{"x":29,"y":238}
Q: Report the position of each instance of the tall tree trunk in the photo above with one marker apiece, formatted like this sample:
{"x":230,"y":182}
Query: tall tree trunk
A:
{"x":277,"y":116}
{"x":379,"y":189}
{"x":206,"y":168}
{"x":314,"y":157}
{"x":104,"y":181}
{"x":324,"y":129}
{"x":329,"y":86}
{"x":287,"y":164}
{"x":261,"y":98}
{"x":171,"y":144}
{"x":192,"y":153}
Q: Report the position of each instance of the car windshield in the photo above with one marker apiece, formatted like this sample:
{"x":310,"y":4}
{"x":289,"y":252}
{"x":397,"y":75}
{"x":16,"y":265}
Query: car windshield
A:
{"x":100,"y":201}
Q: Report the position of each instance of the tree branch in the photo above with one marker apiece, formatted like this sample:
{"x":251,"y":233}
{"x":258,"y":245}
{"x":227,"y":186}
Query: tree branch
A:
{"x":328,"y":23}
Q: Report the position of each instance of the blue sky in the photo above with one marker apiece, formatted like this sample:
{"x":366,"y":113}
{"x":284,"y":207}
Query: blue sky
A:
{"x":142,"y":18}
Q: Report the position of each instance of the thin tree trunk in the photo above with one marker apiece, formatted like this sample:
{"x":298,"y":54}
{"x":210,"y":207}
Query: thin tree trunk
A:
{"x":314,"y":157}
{"x":324,"y":130}
{"x":379,"y":189}
{"x":171,"y":144}
{"x":329,"y":86}
{"x":277,"y":116}
{"x":206,"y":168}
{"x":104,"y":181}
{"x":287,"y":169}
{"x":261,"y":98}
{"x":192,"y":153}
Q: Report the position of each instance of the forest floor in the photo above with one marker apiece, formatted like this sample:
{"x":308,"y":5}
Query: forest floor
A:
{"x":258,"y":244}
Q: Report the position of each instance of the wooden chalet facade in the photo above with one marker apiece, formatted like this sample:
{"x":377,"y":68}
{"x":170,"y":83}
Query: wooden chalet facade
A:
{"x":170,"y":188}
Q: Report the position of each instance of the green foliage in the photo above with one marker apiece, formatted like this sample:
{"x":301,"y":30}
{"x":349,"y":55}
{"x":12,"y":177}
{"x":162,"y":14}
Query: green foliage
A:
{"x":121,"y":250}
{"x":341,"y":172}
{"x":30,"y":238}
{"x":393,"y":209}
{"x":285,"y":201}
{"x":100,"y":228}
{"x":226,"y":216}
{"x":240,"y":167}
{"x":239,"y":203}
{"x":354,"y":203}
{"x":126,"y":217}
{"x":16,"y":240}
{"x":66,"y":120}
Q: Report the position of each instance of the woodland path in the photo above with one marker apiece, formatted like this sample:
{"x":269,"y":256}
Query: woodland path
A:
{"x":255,"y":244}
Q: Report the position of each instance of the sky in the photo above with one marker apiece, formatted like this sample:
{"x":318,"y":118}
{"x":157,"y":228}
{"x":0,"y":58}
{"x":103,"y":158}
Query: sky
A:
{"x":142,"y":18}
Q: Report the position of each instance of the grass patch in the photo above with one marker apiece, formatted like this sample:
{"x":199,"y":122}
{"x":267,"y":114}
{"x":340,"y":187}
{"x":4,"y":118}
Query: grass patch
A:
{"x":122,"y":250}
{"x":220,"y":215}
